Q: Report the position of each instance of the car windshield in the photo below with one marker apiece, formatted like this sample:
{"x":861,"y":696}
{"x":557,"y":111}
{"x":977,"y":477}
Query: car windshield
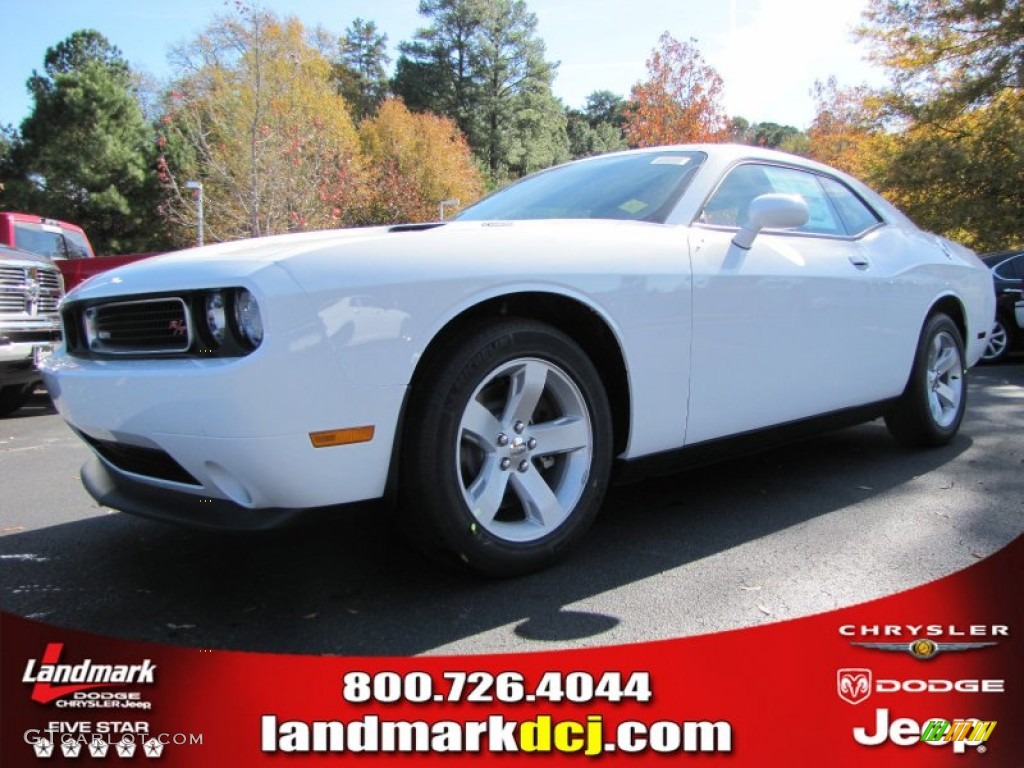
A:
{"x":34,"y":238}
{"x":635,"y":187}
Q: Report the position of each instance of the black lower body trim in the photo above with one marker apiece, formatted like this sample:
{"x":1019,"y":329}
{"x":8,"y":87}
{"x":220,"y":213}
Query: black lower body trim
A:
{"x":118,"y":491}
{"x":712,"y":451}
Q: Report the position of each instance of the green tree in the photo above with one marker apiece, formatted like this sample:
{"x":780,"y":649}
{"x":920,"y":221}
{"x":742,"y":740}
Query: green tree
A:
{"x":434,"y":71}
{"x":86,"y":46}
{"x":964,"y":178}
{"x":597,"y":128}
{"x":947,"y":55}
{"x":8,"y":138}
{"x":956,"y":163}
{"x":586,"y":138}
{"x":519,"y":126}
{"x":85,"y":153}
{"x":481,"y":63}
{"x":362,"y":67}
{"x":605,"y":107}
{"x":768,"y":134}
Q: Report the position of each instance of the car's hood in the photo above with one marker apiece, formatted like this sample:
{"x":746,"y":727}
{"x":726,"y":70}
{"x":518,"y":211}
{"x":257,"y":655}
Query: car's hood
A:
{"x":17,"y":256}
{"x":365,"y":254}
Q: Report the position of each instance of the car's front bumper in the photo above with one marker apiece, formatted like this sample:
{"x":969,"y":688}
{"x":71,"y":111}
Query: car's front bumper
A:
{"x":21,"y":351}
{"x":209,"y":442}
{"x":120,"y":490}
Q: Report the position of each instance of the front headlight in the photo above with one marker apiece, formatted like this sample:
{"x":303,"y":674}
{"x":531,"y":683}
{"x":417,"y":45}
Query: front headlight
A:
{"x":216,"y":317}
{"x":247,"y":318}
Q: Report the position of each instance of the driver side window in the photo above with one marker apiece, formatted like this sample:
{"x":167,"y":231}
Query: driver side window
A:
{"x":728,"y":205}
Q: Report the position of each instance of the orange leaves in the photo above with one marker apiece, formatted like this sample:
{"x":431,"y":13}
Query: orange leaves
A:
{"x":415,"y":162}
{"x":260,"y":121}
{"x":264,"y":129}
{"x":846,"y":131}
{"x":680,"y":101}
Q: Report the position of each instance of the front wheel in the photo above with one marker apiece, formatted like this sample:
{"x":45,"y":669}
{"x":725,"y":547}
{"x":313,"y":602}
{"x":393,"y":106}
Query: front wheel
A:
{"x":932,"y":406}
{"x":507,"y":454}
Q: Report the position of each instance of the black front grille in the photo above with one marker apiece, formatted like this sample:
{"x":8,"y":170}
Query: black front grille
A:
{"x":150,"y":462}
{"x":153,"y":326}
{"x":150,"y":326}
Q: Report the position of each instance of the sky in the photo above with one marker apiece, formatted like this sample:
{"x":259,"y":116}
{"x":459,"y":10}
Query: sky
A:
{"x":768,"y":52}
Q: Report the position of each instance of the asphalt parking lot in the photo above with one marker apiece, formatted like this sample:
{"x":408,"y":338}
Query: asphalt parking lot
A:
{"x":806,"y":528}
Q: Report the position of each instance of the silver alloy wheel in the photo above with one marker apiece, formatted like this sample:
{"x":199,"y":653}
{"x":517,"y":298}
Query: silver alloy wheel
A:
{"x":945,"y":379}
{"x":997,"y":341}
{"x":524,"y":450}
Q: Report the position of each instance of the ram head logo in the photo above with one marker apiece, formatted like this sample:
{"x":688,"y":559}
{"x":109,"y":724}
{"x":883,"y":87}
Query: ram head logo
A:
{"x":853,"y":685}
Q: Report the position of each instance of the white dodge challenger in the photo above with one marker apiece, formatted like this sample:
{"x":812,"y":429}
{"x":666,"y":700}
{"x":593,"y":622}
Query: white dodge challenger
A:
{"x":487,"y":376}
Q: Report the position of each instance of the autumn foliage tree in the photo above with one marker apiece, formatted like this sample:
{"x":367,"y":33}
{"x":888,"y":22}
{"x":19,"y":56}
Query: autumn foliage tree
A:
{"x":848,"y":130}
{"x":946,"y":55}
{"x":415,"y":161}
{"x":255,"y":118}
{"x":964,"y":178}
{"x":956,"y":163}
{"x":679,"y":102}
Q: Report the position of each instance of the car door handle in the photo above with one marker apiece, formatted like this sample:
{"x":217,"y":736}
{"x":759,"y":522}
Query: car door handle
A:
{"x":860,"y":262}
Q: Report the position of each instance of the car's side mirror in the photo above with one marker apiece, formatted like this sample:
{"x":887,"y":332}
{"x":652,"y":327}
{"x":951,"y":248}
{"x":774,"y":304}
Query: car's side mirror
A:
{"x":771,"y":211}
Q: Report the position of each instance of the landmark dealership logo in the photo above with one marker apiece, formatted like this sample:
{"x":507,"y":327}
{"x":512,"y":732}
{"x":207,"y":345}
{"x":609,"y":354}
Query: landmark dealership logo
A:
{"x":52,"y":680}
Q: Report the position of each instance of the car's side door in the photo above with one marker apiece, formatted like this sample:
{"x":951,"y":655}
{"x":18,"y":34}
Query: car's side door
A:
{"x":784,"y":330}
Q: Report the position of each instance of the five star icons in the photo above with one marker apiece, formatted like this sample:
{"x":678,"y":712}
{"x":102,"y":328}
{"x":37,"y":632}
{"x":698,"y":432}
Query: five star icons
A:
{"x":153,"y":748}
{"x":126,"y":747}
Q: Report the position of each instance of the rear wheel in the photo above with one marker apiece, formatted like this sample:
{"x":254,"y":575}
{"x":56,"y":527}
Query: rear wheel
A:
{"x":508,"y":451}
{"x":931,"y":408}
{"x":1000,"y":340}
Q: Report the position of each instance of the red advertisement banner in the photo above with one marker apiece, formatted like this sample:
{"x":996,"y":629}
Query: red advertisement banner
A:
{"x":929,"y":677}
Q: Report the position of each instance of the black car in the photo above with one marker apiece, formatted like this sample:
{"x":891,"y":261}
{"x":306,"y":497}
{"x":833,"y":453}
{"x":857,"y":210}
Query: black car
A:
{"x":1008,"y":275}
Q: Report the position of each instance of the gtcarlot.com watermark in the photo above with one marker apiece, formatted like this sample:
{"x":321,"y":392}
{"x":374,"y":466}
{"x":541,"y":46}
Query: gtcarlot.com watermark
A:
{"x":124,"y":740}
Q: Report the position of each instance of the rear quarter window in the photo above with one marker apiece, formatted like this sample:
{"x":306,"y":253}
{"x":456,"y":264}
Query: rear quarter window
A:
{"x":856,"y":215}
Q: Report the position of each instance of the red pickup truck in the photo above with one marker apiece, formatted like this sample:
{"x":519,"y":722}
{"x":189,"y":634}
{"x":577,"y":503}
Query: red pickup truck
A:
{"x":65,"y":243}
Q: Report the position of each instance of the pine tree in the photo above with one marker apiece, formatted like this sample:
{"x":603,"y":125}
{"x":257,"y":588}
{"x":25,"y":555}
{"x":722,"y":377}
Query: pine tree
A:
{"x":85,"y":153}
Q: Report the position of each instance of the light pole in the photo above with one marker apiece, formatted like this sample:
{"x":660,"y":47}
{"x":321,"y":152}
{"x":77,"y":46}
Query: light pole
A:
{"x":452,"y":203}
{"x":197,"y":193}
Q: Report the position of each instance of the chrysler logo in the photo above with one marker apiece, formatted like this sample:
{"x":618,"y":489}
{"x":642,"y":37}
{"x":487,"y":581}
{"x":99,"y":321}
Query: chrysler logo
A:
{"x":923,"y":648}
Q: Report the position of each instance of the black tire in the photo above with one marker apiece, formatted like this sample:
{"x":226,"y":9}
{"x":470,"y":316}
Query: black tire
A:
{"x":13,"y":396}
{"x":1000,"y":341}
{"x":478,"y":422}
{"x":932,"y":406}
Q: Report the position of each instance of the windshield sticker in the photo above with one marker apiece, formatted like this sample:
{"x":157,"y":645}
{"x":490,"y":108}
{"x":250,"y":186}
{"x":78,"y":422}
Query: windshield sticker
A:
{"x":633,"y":207}
{"x":670,"y":160}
